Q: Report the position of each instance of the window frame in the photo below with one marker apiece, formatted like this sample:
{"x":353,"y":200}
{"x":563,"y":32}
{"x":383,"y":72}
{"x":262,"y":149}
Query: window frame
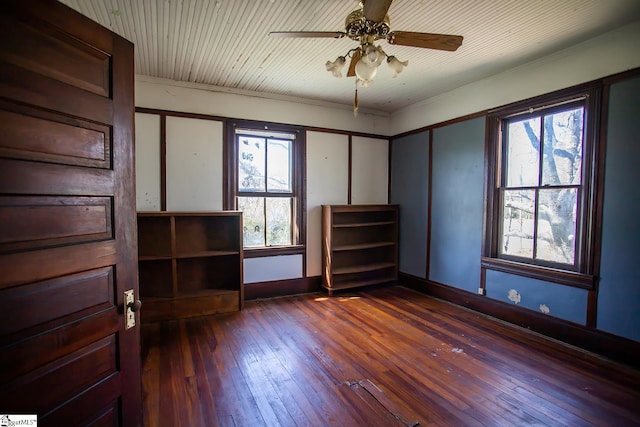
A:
{"x":583,"y":274}
{"x":298,"y":232}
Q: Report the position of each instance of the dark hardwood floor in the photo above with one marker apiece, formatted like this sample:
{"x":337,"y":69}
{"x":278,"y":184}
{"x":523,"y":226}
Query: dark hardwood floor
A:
{"x":379,"y":357}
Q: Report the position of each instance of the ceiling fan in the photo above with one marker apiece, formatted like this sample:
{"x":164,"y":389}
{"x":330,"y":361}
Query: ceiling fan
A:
{"x":366,"y":25}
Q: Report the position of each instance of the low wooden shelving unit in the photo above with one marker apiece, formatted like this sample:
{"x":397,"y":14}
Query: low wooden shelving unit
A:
{"x":359,"y":245}
{"x":190,"y":263}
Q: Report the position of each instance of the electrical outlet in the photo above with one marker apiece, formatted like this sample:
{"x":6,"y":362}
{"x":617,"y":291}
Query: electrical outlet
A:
{"x":482,"y":291}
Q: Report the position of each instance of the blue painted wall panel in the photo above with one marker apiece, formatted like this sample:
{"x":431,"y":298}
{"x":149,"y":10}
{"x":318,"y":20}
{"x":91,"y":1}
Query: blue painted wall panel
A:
{"x":409,"y":186}
{"x":556,"y":300}
{"x":619,"y":293}
{"x":457,"y":204}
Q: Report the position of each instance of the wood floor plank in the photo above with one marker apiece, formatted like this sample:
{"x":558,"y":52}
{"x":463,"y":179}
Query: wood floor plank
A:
{"x":151,"y":375}
{"x":317,"y":374}
{"x":306,"y":371}
{"x":167,"y":412}
{"x":268,"y":380}
{"x":436,"y":374}
{"x":299,"y":360}
{"x":239,"y":403}
{"x":520,"y":367}
{"x":199,"y":353}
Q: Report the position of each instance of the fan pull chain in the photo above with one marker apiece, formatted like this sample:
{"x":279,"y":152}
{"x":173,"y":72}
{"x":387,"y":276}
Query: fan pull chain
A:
{"x":355,"y":101}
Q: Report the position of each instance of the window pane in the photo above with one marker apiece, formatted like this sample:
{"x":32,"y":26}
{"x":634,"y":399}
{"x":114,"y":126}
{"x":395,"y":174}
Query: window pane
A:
{"x":523,"y":145}
{"x":562,"y":152}
{"x":557,"y":225}
{"x":279,"y":221}
{"x":518,"y":223}
{"x":253,"y":220}
{"x":251,"y":152}
{"x":279,"y":165}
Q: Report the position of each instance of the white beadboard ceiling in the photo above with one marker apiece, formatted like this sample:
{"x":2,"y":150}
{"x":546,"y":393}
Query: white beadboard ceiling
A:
{"x":225,"y":43}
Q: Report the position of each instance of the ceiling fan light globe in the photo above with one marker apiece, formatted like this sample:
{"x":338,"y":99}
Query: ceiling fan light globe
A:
{"x":396,"y":65}
{"x":365,"y":71}
{"x":371,"y":54}
{"x":336,"y":66}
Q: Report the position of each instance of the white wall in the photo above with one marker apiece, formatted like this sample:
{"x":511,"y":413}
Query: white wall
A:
{"x":147,"y":162}
{"x":369,"y":170}
{"x":193,"y":98}
{"x":195,"y":181}
{"x":327,"y":184}
{"x":602,"y":56}
{"x":327,"y":155}
{"x":194,"y":164}
{"x":272,"y":268}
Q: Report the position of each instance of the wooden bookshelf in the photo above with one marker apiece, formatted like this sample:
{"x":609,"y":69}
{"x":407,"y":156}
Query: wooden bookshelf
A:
{"x":190,"y":263}
{"x":360,"y":245}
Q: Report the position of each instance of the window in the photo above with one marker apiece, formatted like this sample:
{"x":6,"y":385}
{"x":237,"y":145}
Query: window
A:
{"x":540,"y":189}
{"x":265,"y":183}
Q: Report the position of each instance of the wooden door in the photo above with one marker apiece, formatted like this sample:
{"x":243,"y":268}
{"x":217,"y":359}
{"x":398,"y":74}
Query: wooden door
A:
{"x":67,"y":218}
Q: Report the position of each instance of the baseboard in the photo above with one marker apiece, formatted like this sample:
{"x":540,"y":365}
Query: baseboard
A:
{"x":280,"y":288}
{"x":612,"y":346}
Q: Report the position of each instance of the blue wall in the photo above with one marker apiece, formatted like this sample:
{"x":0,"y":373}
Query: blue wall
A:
{"x":457,"y":204}
{"x":619,"y":293}
{"x":457,"y":213}
{"x":556,"y":300}
{"x":409,"y":189}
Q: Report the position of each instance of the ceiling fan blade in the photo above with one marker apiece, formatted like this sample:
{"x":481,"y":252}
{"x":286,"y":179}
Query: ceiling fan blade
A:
{"x":308,"y":34}
{"x":352,"y":65}
{"x":425,"y":40}
{"x":376,"y":10}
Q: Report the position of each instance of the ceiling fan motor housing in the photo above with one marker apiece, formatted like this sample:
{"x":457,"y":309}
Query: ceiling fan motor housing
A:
{"x":356,"y":26}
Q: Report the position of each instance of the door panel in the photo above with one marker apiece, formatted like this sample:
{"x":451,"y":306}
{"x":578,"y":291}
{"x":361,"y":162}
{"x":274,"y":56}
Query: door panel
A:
{"x":36,"y":135}
{"x":86,"y":366}
{"x":40,"y":222}
{"x":67,"y":218}
{"x":46,"y":50}
{"x":42,"y":302}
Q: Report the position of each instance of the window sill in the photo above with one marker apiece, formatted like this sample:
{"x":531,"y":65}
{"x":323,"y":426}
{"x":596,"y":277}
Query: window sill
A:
{"x":563,"y":277}
{"x":273,"y":251}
